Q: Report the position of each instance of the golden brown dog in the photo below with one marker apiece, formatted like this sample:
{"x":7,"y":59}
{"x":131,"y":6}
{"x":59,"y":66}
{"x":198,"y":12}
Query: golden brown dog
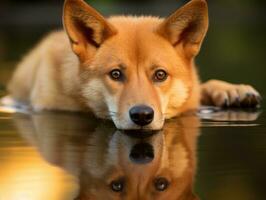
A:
{"x":138,"y":71}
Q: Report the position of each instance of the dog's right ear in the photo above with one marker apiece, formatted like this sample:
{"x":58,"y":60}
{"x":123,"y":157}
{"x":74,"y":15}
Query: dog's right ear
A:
{"x":86,"y":28}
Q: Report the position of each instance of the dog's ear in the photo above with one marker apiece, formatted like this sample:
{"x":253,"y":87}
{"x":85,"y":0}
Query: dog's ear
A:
{"x":187,"y":27}
{"x":86,"y":28}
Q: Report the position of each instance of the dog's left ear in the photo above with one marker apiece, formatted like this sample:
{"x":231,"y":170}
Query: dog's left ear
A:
{"x":187,"y":27}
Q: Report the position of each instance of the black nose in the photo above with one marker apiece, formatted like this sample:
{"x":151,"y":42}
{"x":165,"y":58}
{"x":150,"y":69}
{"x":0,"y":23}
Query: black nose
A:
{"x":141,"y":115}
{"x":142,"y":153}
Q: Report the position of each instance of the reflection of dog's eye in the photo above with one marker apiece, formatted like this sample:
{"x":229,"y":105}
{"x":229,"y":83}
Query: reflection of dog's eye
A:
{"x":116,"y":75}
{"x":160,"y":75}
{"x":117,"y":186}
{"x":161,"y":184}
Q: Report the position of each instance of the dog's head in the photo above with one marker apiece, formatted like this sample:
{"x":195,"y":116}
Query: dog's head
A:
{"x":137,"y":70}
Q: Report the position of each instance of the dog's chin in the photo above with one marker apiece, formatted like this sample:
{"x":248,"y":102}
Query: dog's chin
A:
{"x":127,"y":124}
{"x":133,"y":127}
{"x":138,"y":129}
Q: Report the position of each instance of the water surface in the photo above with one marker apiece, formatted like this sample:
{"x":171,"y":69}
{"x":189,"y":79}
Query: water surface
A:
{"x":65,"y":156}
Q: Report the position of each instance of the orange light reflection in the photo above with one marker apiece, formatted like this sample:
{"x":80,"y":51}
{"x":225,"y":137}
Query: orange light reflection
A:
{"x":24,"y":175}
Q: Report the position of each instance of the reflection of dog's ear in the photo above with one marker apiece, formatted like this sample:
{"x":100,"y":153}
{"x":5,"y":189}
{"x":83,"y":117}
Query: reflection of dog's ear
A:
{"x":187,"y":27}
{"x":86,"y":28}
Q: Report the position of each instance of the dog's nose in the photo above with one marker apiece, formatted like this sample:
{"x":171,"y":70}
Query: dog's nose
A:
{"x":142,"y":153}
{"x":141,"y":115}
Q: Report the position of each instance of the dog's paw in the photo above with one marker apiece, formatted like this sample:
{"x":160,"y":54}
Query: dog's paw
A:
{"x":223,"y":94}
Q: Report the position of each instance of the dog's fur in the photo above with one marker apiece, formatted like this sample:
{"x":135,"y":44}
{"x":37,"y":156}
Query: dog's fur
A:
{"x":63,"y":75}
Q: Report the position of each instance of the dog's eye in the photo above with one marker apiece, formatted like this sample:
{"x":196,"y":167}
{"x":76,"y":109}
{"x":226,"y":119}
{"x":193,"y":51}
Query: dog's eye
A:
{"x":117,"y":186}
{"x":160,"y":75}
{"x":161,"y":184}
{"x":116,"y":75}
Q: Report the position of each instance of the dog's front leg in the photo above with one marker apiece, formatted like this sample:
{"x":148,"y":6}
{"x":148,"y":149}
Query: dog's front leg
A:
{"x":223,"y":94}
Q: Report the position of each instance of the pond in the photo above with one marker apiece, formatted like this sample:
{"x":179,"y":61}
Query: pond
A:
{"x":65,"y":156}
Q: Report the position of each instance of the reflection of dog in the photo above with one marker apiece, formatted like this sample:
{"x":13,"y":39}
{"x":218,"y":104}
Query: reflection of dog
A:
{"x":136,"y":70}
{"x":112,"y":165}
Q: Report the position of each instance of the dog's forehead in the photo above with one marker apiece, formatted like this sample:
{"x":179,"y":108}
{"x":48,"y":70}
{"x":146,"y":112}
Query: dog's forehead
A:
{"x":137,"y":41}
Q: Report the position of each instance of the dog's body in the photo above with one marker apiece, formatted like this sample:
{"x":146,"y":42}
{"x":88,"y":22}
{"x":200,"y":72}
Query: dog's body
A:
{"x":113,"y":67}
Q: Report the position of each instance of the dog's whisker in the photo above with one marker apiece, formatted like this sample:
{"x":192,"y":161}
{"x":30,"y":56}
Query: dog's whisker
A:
{"x":113,"y":112}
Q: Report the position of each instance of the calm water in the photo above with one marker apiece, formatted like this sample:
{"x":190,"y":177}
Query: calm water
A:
{"x":63,"y":156}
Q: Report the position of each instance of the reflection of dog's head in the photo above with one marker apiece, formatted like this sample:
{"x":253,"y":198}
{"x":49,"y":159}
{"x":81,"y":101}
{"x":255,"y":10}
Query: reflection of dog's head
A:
{"x":113,"y":165}
{"x":137,"y":70}
{"x":161,"y":166}
{"x":157,"y":167}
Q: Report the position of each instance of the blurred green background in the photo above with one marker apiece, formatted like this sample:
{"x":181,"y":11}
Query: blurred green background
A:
{"x":234,"y":49}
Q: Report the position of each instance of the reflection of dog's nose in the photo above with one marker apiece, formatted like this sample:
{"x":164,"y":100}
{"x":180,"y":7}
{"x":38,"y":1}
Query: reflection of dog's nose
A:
{"x":142,"y":153}
{"x":141,"y":115}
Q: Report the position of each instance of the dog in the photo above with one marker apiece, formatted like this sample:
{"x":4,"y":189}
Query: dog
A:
{"x":137,"y":71}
